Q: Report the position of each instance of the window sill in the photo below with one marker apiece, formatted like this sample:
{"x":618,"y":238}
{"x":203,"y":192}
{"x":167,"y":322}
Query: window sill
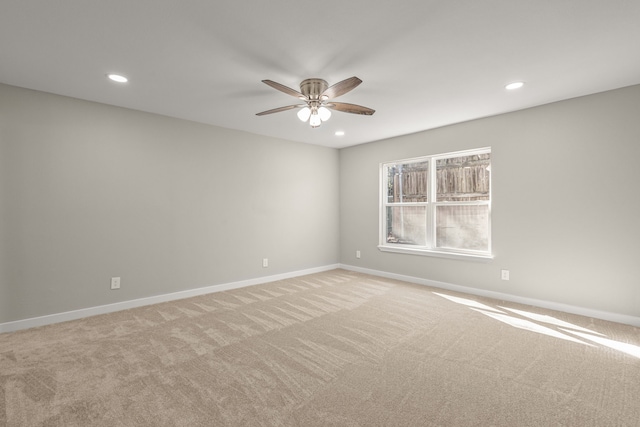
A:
{"x":437,"y":254}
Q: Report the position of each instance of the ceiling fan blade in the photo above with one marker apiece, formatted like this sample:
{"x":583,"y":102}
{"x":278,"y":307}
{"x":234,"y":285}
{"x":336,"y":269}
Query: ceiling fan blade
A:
{"x":350,"y":108}
{"x":279,"y":109}
{"x":342,"y":87}
{"x":283,"y":88}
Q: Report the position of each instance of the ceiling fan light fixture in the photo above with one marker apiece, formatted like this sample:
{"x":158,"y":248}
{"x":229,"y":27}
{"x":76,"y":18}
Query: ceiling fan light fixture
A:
{"x":324,"y":113}
{"x":316,"y":93}
{"x":304,"y":114}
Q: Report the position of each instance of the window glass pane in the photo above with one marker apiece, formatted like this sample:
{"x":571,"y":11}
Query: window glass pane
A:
{"x":407,"y":182}
{"x":462,"y":227}
{"x":407,"y":225}
{"x":463,"y":178}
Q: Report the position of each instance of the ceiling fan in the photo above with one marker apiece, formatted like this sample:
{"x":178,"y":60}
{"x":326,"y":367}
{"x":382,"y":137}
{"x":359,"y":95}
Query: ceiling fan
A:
{"x":317,"y":96}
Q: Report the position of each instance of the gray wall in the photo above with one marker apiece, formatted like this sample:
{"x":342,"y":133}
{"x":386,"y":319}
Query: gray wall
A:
{"x":565,"y":210}
{"x":90,"y":191}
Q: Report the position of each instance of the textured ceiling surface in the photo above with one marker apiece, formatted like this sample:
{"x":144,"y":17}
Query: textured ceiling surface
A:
{"x":424,"y":63}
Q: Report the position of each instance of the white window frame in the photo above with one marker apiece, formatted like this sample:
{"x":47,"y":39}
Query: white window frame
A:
{"x":431,"y":204}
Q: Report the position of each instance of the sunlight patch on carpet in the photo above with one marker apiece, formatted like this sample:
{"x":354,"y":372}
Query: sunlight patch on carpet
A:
{"x":552,"y":320}
{"x":468,"y":302}
{"x":529,"y":326}
{"x":630,"y":349}
{"x":528,"y":320}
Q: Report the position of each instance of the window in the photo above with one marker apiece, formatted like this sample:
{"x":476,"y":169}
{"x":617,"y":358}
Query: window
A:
{"x":437,"y":205}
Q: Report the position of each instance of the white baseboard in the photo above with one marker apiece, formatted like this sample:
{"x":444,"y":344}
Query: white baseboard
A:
{"x":124,"y":305}
{"x":597,"y":314}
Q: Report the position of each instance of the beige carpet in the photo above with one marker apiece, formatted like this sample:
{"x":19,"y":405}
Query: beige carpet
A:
{"x":330,"y":349}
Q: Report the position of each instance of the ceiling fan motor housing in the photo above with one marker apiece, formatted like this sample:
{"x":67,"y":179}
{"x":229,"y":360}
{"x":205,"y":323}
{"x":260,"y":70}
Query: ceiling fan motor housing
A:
{"x":313,"y":88}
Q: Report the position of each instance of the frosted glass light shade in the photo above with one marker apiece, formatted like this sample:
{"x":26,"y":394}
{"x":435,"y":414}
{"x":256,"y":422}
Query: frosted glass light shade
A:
{"x":324,"y":113}
{"x":304,"y":114}
{"x":315,"y":121}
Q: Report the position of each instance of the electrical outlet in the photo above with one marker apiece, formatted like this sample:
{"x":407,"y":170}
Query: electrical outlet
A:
{"x":115,"y":283}
{"x":358,"y":254}
{"x":265,"y":262}
{"x":504,"y":274}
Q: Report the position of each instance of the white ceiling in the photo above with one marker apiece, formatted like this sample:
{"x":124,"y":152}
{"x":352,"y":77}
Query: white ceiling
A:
{"x":424,"y":63}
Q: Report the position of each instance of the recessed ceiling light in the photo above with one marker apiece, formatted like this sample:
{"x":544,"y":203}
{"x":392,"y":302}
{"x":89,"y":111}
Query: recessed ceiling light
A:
{"x":514,"y":85}
{"x":339,"y":133}
{"x":118,"y":78}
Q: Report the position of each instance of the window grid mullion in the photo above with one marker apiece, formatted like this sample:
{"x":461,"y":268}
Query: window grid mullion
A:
{"x":431,"y":197}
